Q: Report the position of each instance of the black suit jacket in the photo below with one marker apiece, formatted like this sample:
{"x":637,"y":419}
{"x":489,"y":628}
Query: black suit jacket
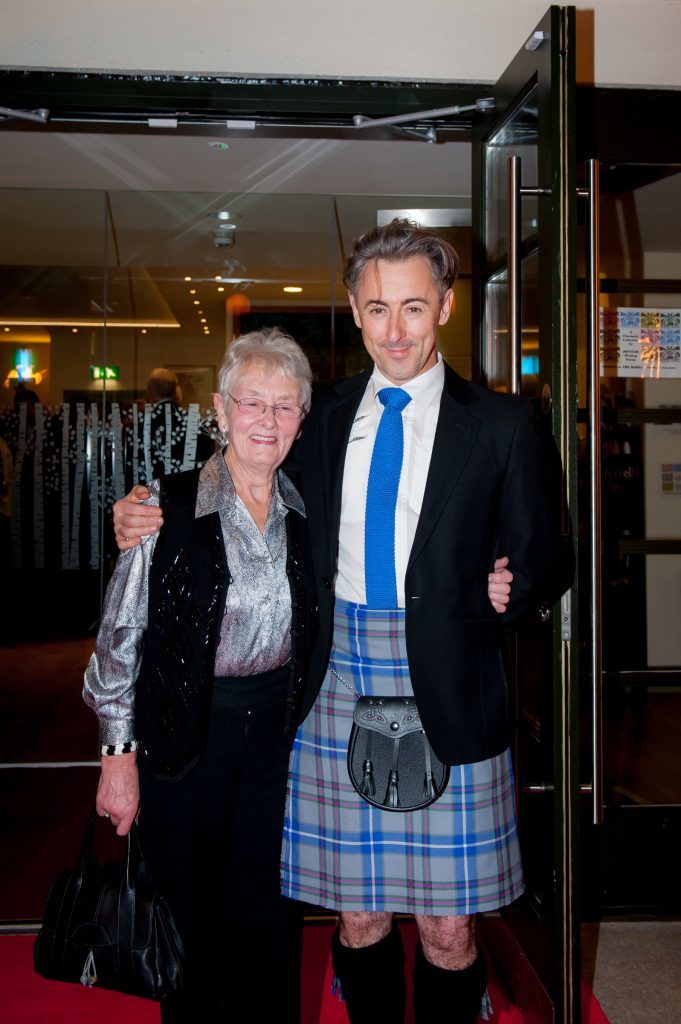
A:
{"x":487,"y":494}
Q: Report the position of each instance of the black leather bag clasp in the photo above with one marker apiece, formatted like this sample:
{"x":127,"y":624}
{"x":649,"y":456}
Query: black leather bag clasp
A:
{"x":390,"y":761}
{"x":107,"y":926}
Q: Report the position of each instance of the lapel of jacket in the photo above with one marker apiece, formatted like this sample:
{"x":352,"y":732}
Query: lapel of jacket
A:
{"x":455,"y":436}
{"x":336,"y":426}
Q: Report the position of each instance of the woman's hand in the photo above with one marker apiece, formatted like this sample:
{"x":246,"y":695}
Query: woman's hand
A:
{"x":118,"y":792}
{"x":132,"y":520}
{"x":499,"y":585}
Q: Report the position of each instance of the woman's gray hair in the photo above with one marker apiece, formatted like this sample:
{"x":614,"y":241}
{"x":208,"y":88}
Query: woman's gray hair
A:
{"x":276,"y":350}
{"x":399,"y":240}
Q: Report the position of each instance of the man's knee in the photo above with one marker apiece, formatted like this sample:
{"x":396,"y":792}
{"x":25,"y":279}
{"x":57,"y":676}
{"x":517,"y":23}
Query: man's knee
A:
{"x":448,"y":942}
{"x":363,"y":928}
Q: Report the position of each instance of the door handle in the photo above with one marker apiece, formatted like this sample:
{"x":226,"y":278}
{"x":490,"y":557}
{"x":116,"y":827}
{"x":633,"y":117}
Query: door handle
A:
{"x":514,"y":234}
{"x":592,"y":193}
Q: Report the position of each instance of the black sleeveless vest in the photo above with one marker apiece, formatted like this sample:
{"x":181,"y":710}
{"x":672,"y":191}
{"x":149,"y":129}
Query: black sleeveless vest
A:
{"x":188,"y":583}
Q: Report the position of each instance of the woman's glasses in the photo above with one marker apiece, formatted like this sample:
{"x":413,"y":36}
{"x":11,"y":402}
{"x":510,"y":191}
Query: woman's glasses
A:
{"x":253,"y":407}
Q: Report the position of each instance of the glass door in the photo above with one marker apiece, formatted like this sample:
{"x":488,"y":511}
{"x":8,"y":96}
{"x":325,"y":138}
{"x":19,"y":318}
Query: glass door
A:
{"x":524,"y":203}
{"x":635,"y":436}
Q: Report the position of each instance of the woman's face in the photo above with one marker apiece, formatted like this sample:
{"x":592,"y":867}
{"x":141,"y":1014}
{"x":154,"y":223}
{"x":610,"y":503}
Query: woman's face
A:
{"x":260,"y":441}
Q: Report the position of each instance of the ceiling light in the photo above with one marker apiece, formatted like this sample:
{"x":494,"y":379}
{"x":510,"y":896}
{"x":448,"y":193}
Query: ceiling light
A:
{"x":196,"y":302}
{"x":187,"y":278}
{"x":450,"y":217}
{"x":144,"y":330}
{"x":192,"y":291}
{"x":218,"y":277}
{"x":74,"y":330}
{"x":203,"y":320}
{"x":88,"y":322}
{"x":200,"y":312}
{"x":221,"y":289}
{"x":223,"y":215}
{"x":292,"y":288}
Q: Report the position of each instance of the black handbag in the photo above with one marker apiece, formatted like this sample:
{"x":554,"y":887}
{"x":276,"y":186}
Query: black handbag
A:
{"x":391,"y":763}
{"x":107,"y":926}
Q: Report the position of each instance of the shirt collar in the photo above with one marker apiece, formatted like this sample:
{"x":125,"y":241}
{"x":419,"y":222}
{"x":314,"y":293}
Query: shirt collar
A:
{"x":425,"y":388}
{"x":216,"y":491}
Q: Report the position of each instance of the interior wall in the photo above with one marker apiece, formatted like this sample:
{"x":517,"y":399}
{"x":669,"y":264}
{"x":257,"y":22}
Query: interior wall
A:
{"x":621,"y":43}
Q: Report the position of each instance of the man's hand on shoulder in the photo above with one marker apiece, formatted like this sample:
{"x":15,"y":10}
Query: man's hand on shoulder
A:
{"x":133,"y":520}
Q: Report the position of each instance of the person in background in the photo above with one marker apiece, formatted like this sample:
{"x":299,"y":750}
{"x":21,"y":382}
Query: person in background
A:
{"x":169,"y":425}
{"x":197,"y":680}
{"x":163,"y":386}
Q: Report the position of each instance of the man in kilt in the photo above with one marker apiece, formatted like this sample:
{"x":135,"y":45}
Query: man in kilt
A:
{"x":473,"y":487}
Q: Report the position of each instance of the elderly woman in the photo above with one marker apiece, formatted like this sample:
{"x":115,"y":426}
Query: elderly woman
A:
{"x":196,"y":679}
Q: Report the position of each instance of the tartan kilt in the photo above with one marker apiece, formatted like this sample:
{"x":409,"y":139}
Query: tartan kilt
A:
{"x":458,"y":856}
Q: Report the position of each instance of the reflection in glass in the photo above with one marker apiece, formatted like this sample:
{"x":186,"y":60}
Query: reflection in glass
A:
{"x":516,"y":137}
{"x":495,"y":355}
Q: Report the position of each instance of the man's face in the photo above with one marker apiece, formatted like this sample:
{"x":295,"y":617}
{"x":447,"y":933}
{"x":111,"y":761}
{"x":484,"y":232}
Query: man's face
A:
{"x":398,"y":309}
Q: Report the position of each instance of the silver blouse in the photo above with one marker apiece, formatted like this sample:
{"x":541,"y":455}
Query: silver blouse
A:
{"x":255,"y":632}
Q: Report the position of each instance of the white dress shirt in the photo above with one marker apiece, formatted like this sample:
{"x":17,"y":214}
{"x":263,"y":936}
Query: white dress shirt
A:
{"x":419,"y":419}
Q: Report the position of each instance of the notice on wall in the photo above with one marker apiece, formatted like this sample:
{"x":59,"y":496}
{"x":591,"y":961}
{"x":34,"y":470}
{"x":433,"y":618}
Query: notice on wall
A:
{"x":641,"y":343}
{"x":671,"y":478}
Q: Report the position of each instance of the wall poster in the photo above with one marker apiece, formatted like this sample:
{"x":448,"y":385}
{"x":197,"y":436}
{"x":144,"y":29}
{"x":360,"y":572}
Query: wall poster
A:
{"x":640,"y":342}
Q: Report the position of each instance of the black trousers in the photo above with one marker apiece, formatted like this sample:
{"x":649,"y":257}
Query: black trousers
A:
{"x":213,"y":840}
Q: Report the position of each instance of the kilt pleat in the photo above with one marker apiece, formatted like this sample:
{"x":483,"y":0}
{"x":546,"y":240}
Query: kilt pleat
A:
{"x":458,"y":856}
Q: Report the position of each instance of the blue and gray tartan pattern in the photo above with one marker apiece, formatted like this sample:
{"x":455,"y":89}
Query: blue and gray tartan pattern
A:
{"x":458,"y":856}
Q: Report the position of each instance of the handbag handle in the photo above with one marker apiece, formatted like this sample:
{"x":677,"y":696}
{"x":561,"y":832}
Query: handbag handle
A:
{"x":136,"y":873}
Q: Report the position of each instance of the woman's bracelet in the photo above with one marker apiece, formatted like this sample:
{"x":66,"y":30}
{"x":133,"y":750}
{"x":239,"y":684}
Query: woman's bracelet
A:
{"x":113,"y":749}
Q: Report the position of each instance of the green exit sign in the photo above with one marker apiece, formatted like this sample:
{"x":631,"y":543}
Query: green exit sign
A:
{"x":104,"y":372}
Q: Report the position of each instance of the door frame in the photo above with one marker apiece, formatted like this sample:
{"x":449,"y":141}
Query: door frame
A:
{"x":549,"y":64}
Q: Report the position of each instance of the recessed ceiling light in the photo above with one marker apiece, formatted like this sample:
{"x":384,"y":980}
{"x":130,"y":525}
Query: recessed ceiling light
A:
{"x":196,"y":302}
{"x":221,"y":289}
{"x":192,"y":291}
{"x":223,"y":215}
{"x":203,"y":320}
{"x":200,"y":312}
{"x":74,"y":330}
{"x":144,"y":330}
{"x":218,"y":277}
{"x":187,"y":278}
{"x":6,"y":328}
{"x":292,"y":288}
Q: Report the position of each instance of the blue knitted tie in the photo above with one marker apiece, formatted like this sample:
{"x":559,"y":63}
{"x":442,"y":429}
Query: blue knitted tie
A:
{"x":379,"y":523}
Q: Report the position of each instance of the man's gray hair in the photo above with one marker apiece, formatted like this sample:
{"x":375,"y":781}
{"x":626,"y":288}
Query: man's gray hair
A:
{"x":276,"y":350}
{"x":403,"y":240}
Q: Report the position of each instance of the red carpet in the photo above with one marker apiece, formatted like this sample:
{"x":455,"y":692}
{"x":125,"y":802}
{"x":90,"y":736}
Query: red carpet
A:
{"x":28,"y":999}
